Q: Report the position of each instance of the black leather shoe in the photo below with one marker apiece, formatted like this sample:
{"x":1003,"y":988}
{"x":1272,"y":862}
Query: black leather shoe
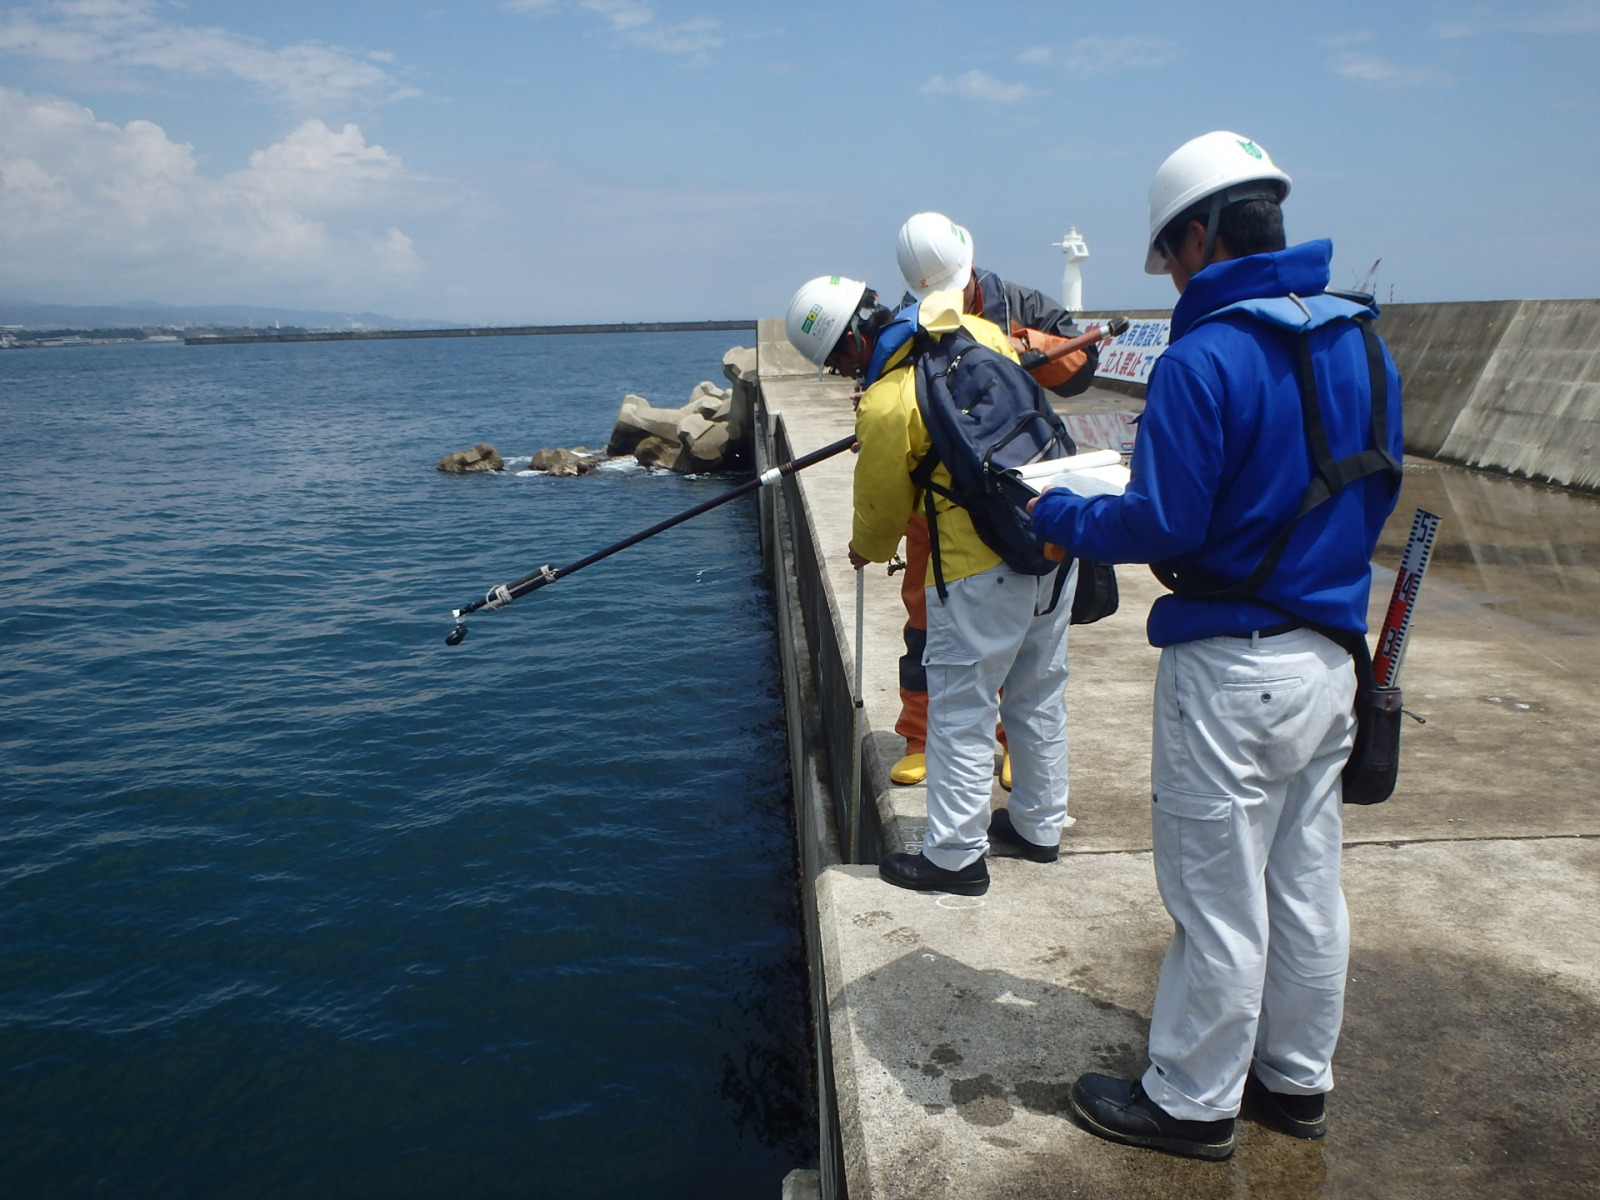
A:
{"x":1298,"y":1116}
{"x":1003,"y":833}
{"x":1119,"y":1111}
{"x":914,"y":871}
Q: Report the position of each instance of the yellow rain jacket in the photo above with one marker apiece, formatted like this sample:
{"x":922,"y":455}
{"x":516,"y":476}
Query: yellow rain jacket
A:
{"x":894,"y":439}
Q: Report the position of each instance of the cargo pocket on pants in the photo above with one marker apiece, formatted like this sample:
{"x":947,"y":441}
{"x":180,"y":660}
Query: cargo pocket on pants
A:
{"x":1194,"y":841}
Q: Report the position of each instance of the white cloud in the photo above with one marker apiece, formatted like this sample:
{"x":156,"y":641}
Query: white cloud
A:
{"x":91,"y":206}
{"x":318,"y":168}
{"x":1384,"y":73}
{"x":979,"y":85}
{"x":1343,"y":41}
{"x":1576,"y":18}
{"x":637,"y":23}
{"x":130,"y":34}
{"x":1097,"y":55}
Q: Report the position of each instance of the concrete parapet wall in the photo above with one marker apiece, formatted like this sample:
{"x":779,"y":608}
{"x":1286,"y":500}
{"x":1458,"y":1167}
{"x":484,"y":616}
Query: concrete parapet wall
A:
{"x":1535,"y":408}
{"x":1441,"y":350}
{"x":1509,"y":385}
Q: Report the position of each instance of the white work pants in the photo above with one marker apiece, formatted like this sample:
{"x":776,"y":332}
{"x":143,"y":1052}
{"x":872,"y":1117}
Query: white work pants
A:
{"x":983,"y":637}
{"x":1248,"y":744}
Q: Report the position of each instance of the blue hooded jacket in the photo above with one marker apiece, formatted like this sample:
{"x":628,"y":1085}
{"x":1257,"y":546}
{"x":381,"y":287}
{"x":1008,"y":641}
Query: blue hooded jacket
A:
{"x":1221,"y":461}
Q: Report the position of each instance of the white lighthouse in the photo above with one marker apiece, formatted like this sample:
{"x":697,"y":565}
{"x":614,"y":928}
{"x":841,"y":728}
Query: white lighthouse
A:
{"x":1072,"y":277}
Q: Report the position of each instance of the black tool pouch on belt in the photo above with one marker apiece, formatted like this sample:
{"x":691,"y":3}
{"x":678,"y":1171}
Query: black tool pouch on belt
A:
{"x":1370,"y":772}
{"x":1096,"y":596}
{"x":1374,"y":762}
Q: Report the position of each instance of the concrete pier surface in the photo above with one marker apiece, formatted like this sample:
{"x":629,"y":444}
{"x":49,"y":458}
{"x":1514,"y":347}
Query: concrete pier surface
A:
{"x":1470,"y":1062}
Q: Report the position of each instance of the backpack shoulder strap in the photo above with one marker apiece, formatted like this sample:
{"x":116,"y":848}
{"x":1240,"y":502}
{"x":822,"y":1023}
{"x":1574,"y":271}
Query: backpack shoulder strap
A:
{"x":1330,"y":476}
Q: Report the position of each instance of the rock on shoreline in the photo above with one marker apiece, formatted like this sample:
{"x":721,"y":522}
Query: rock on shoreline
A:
{"x":709,"y":433}
{"x":482,"y":457}
{"x":712,"y":432}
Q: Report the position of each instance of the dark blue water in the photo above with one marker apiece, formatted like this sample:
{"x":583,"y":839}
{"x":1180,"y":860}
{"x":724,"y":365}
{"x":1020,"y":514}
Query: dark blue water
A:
{"x":297,"y":901}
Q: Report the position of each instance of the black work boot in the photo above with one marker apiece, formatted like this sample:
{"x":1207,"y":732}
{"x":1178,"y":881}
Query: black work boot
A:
{"x":1298,"y":1116}
{"x":914,"y":871}
{"x":1119,"y":1111}
{"x":1003,"y":833}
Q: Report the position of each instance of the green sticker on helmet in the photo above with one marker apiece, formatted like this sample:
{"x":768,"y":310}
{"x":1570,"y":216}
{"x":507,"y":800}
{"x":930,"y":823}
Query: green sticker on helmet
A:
{"x":834,"y":280}
{"x":1250,"y":148}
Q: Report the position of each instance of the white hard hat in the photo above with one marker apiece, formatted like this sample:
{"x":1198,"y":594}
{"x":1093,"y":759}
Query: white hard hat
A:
{"x":1219,"y":164}
{"x":935,"y":254}
{"x":820,"y":312}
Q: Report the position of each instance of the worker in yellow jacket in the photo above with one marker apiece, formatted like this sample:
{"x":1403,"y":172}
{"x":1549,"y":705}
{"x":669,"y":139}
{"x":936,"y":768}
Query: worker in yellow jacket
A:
{"x":935,"y":254}
{"x":996,"y":628}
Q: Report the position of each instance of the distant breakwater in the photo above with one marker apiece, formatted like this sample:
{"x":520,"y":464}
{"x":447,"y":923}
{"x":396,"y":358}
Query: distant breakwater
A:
{"x":364,"y":335}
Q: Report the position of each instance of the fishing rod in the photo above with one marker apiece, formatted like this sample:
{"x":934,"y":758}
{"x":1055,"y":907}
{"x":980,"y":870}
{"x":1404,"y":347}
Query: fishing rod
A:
{"x":1032,"y":360}
{"x":503,"y":594}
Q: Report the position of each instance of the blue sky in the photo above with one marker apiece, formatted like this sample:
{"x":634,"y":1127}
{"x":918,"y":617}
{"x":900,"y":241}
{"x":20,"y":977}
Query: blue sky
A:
{"x":578,"y":160}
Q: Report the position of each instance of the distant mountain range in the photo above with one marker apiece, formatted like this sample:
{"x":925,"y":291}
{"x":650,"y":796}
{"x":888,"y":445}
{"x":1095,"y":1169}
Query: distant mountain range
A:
{"x":231,"y":316}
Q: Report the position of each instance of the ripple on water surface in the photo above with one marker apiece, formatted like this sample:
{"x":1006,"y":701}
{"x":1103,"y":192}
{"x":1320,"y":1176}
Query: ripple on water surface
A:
{"x":301,"y":902}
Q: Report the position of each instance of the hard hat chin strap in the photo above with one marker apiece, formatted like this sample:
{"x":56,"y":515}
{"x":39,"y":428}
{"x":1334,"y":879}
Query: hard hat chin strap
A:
{"x":1213,"y":219}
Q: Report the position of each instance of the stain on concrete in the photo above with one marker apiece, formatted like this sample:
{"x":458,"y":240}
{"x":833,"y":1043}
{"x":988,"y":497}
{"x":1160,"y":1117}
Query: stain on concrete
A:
{"x":980,"y":1100}
{"x":1046,"y":1099}
{"x":903,"y":936}
{"x":1516,"y":704}
{"x":866,"y":920}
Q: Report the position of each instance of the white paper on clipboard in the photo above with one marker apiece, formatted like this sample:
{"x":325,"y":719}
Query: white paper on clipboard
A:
{"x":1095,"y":473}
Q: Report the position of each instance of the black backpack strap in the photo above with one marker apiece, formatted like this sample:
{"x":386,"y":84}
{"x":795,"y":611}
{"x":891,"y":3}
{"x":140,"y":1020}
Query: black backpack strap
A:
{"x":1335,"y":475}
{"x":1330,"y":476}
{"x":1055,"y":591}
{"x":922,"y":477}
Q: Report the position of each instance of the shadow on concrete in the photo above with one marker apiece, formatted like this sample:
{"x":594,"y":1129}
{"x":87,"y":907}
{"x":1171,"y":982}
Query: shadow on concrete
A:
{"x":1463,"y":1076}
{"x":1458,"y":1078}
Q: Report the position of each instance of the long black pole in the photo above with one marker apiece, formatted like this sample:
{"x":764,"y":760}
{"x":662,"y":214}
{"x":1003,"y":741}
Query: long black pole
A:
{"x":505,"y":593}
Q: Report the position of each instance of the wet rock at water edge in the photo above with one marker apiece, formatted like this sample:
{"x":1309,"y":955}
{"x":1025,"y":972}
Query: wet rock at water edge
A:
{"x":637,"y":420}
{"x":482,"y":457}
{"x":577,"y":461}
{"x":709,"y":433}
{"x":659,"y":452}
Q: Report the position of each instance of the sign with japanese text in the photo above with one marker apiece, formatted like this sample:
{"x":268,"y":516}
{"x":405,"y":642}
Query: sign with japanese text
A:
{"x":1130,"y":355}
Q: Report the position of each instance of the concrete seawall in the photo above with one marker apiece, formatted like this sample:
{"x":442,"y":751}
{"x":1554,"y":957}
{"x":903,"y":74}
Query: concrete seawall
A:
{"x":1506,"y":385}
{"x":948,"y":1030}
{"x":1534,"y":409}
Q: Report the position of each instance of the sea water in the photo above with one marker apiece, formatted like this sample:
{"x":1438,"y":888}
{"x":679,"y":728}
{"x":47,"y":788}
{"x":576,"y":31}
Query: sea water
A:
{"x":297,"y":901}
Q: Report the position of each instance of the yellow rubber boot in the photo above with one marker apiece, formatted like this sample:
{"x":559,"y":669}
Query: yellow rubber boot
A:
{"x":913,"y":768}
{"x":1005,"y":771}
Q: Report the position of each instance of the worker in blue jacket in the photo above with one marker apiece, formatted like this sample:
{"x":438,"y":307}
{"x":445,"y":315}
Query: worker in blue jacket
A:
{"x":1253,"y":709}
